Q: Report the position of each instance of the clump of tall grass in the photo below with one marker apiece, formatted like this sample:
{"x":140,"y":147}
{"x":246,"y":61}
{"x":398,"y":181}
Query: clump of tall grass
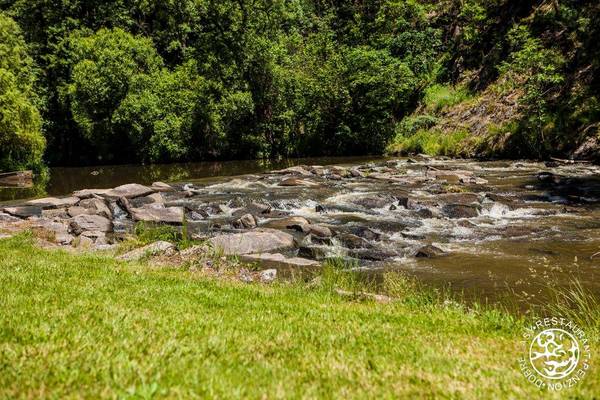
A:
{"x":575,"y":303}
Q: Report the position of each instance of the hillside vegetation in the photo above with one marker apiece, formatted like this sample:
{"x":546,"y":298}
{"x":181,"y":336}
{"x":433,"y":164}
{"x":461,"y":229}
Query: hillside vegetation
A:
{"x":127,"y":81}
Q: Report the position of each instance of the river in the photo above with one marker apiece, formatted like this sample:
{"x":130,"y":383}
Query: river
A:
{"x":507,"y":228}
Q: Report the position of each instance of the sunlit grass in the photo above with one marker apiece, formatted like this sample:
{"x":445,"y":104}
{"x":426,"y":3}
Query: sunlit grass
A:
{"x":88,"y":326}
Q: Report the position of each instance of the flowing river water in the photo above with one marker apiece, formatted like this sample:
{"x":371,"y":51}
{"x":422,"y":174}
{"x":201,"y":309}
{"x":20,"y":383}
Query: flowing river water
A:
{"x":506,"y":228}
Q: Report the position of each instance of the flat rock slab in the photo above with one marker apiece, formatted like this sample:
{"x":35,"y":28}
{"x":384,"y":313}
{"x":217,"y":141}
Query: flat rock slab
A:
{"x":280,"y":259}
{"x":87,"y":193}
{"x":158,"y":213}
{"x":129,"y":191}
{"x":257,"y":241}
{"x":152,"y":249}
{"x":84,"y":222}
{"x":24,"y":211}
{"x":54,"y":202}
{"x":162,"y":187}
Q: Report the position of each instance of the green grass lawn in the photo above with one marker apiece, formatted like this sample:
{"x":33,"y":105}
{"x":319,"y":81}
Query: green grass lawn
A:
{"x":86,"y":326}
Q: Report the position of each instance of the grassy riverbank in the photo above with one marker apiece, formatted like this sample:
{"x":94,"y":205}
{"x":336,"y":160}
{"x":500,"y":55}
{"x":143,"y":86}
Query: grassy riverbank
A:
{"x":89,"y":326}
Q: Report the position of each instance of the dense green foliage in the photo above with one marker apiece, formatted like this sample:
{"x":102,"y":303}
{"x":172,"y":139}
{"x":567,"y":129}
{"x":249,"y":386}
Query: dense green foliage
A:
{"x":21,"y":141}
{"x":157,"y":81}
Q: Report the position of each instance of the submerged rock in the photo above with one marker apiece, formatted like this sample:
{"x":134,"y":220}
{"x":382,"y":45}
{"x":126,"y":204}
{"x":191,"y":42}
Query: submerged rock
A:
{"x":430,"y":251}
{"x":353,"y":242}
{"x":256,"y":241}
{"x":297,"y":170}
{"x":461,"y":211}
{"x":377,"y":201}
{"x":298,"y":182}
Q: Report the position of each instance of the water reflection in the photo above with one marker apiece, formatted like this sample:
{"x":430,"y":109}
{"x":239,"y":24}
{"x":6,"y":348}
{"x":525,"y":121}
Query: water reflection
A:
{"x":65,"y":180}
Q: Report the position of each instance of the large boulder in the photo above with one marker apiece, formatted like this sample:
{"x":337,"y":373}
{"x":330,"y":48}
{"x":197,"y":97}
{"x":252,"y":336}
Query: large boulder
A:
{"x":85,"y":222}
{"x":158,"y":213}
{"x":253,"y":242}
{"x":54,"y":202}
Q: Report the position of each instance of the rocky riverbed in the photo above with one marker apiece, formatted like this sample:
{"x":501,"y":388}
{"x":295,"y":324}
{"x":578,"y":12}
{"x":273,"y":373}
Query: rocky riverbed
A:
{"x":419,"y":214}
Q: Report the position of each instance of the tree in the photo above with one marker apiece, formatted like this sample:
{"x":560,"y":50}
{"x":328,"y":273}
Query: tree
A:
{"x":21,"y":140}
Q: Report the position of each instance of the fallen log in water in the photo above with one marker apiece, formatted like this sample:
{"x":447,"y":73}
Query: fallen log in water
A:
{"x":16,"y":179}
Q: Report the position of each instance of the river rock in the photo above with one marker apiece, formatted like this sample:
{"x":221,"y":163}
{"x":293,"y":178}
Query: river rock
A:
{"x":158,"y":213}
{"x":458,"y":198}
{"x":460,"y":211}
{"x":24,"y":211}
{"x":96,"y":206}
{"x":162,"y":187}
{"x":286,"y":223}
{"x":297,"y":170}
{"x":355,"y":173}
{"x":54,"y":202}
{"x":280,"y":260}
{"x":87,"y":193}
{"x":268,"y":275}
{"x":128,"y":191}
{"x":320,"y":231}
{"x":154,"y":198}
{"x":353,"y":242}
{"x":298,"y":182}
{"x":247,"y":221}
{"x":84,"y":222}
{"x":365,"y":233}
{"x":377,"y":201}
{"x":8,"y":218}
{"x":59,"y":230}
{"x":256,"y":241}
{"x":74,"y":211}
{"x":153,"y":249}
{"x":430,"y":251}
